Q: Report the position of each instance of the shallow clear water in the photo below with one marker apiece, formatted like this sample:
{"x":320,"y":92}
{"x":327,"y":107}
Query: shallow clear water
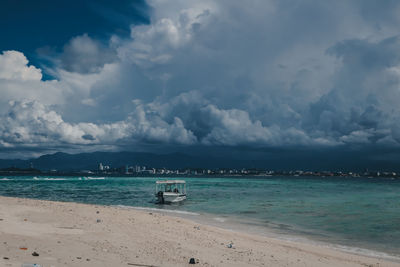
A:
{"x":357,"y":212}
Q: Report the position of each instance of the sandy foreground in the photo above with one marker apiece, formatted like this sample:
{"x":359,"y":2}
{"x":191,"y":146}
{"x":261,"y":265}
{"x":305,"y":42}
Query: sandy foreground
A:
{"x":71,"y":234}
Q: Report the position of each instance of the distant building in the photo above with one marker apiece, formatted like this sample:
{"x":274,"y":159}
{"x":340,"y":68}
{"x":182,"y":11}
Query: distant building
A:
{"x":137,"y":169}
{"x":126,"y":169}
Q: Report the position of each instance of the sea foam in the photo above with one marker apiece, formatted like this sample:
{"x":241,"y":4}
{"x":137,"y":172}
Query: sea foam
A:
{"x":94,"y":178}
{"x":159,"y":210}
{"x":49,"y":179}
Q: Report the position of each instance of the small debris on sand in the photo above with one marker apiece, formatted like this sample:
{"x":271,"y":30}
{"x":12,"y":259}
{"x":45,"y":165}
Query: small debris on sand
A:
{"x":35,"y":254}
{"x":193,"y":261}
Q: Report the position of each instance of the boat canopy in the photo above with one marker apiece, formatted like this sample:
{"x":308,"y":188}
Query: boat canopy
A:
{"x":171,"y":182}
{"x":170,"y":191}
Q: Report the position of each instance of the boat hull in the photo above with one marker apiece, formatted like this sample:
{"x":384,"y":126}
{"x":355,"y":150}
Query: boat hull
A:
{"x":171,"y":198}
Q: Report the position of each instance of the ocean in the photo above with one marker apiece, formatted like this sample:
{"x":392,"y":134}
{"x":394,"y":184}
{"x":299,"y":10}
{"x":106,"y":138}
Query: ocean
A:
{"x":358,"y":214}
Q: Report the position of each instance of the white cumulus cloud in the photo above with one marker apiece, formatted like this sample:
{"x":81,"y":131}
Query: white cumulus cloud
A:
{"x":267,"y":73}
{"x":14,"y":66}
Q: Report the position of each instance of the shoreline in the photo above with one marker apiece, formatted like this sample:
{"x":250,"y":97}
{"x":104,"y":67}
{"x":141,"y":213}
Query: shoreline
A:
{"x":242,"y":226}
{"x":74,"y":234}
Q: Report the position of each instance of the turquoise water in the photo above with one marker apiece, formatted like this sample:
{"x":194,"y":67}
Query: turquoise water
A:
{"x":357,"y":212}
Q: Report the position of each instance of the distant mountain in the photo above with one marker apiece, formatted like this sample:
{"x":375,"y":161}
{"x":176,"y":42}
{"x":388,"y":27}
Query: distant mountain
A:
{"x":329,"y":159}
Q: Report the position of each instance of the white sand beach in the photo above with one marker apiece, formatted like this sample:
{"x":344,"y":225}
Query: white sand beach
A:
{"x":71,"y":234}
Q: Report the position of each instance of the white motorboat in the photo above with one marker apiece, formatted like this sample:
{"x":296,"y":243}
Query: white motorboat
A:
{"x":170,"y":191}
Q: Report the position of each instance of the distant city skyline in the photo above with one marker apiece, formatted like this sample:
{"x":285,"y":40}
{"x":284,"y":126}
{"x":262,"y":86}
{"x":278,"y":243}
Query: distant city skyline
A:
{"x":138,"y":170}
{"x":280,"y":82}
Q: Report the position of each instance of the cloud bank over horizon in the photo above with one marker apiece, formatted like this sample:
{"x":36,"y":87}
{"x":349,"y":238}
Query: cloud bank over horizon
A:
{"x":270,"y":74}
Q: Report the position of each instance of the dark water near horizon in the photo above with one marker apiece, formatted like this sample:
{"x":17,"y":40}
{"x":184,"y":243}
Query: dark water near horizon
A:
{"x":356,"y":212}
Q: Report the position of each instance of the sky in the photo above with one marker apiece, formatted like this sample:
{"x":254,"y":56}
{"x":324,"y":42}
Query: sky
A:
{"x":201,"y":77}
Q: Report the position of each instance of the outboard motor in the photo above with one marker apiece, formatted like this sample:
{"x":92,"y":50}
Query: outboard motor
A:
{"x":160,"y":196}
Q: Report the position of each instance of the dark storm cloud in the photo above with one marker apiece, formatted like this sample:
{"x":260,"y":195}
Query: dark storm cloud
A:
{"x":365,"y":89}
